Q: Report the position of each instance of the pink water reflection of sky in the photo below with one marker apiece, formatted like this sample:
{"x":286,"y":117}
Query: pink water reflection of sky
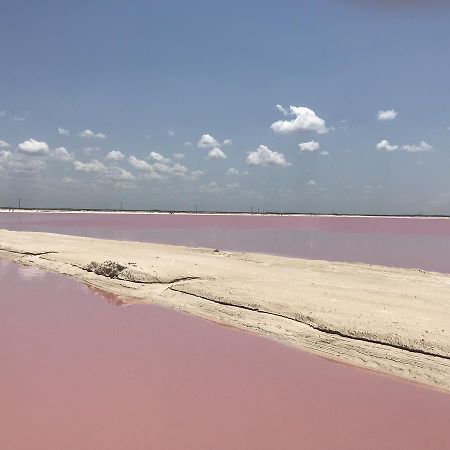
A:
{"x":80,"y":373}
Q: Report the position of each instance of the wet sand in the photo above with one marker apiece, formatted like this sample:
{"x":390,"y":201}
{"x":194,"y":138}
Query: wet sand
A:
{"x":79,"y":372}
{"x":391,"y":320}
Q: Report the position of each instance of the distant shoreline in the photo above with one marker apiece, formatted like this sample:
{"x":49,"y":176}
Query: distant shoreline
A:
{"x":214,"y":213}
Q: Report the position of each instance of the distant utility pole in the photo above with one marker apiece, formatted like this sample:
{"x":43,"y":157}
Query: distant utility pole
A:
{"x":19,"y":203}
{"x":196,"y":208}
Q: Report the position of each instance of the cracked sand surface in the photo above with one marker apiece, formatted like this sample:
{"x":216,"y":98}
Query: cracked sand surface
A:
{"x":393,"y":320}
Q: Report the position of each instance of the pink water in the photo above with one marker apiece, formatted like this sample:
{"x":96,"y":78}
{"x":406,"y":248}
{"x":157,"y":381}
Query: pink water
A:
{"x":399,"y":242}
{"x":79,"y":373}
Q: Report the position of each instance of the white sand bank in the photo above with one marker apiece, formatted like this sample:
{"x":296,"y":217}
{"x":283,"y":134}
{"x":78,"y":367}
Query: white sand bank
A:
{"x":393,"y":320}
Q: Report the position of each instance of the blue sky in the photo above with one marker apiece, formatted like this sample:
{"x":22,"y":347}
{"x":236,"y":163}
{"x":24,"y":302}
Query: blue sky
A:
{"x":148,"y":79}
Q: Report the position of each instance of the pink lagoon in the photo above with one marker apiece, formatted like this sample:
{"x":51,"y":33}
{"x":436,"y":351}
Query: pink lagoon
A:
{"x":81,"y":370}
{"x":409,"y":242}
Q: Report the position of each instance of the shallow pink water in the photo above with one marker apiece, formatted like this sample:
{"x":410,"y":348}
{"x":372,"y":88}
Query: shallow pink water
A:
{"x":398,"y":242}
{"x":79,"y":373}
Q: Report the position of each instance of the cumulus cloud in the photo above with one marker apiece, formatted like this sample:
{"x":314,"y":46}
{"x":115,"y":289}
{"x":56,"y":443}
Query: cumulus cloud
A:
{"x":140,"y":164}
{"x":4,"y":144}
{"x":170,"y":133}
{"x":115,"y":155}
{"x":4,"y":155}
{"x":263,"y":156}
{"x":207,"y":141}
{"x":324,"y":153}
{"x":227,"y":142}
{"x":389,"y":114}
{"x":305,"y":120}
{"x":118,"y":174}
{"x":158,"y":158}
{"x":90,"y":134}
{"x":23,"y":166}
{"x":232,"y":171}
{"x":310,"y":146}
{"x":63,"y":131}
{"x":178,"y":155}
{"x":93,"y":166}
{"x":156,"y":170}
{"x":421,"y":147}
{"x":385,"y":146}
{"x":61,"y":154}
{"x":34,"y":148}
{"x":216,"y":153}
{"x":187,"y":144}
{"x":311,"y":183}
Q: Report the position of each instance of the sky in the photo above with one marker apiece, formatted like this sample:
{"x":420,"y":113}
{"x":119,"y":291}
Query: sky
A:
{"x":324,"y":106}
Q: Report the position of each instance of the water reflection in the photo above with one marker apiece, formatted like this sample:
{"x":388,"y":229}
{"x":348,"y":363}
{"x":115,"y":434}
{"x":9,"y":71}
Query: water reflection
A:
{"x":79,"y":374}
{"x":113,"y":299}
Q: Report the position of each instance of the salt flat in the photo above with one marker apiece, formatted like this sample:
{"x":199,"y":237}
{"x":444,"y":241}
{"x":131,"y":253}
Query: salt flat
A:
{"x":392,"y":320}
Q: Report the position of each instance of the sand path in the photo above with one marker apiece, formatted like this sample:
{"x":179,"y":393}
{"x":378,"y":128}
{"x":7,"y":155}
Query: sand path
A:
{"x":393,"y":320}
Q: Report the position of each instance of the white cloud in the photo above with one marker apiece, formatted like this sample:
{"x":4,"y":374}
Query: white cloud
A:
{"x":4,"y":155}
{"x":4,"y":144}
{"x":263,"y":156}
{"x":170,"y":133}
{"x":207,"y":141}
{"x":232,"y":171}
{"x":90,"y":134}
{"x":61,"y":154}
{"x":176,"y":169}
{"x":115,"y":155}
{"x":63,"y":132}
{"x":232,"y":186}
{"x":22,"y":166}
{"x":33,"y":148}
{"x":216,"y":153}
{"x":178,"y":155}
{"x":310,"y":146}
{"x":227,"y":141}
{"x":19,"y":119}
{"x":187,"y":144}
{"x":158,"y":158}
{"x":422,"y":147}
{"x":282,"y":110}
{"x":91,"y":166}
{"x":67,"y":180}
{"x":140,"y":164}
{"x":119,"y":174}
{"x":384,"y":145}
{"x":311,"y":183}
{"x":2,"y":113}
{"x":324,"y":153}
{"x":305,"y":120}
{"x":389,"y":114}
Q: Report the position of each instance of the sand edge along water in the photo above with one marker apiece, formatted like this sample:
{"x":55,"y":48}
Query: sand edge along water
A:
{"x":392,"y":320}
